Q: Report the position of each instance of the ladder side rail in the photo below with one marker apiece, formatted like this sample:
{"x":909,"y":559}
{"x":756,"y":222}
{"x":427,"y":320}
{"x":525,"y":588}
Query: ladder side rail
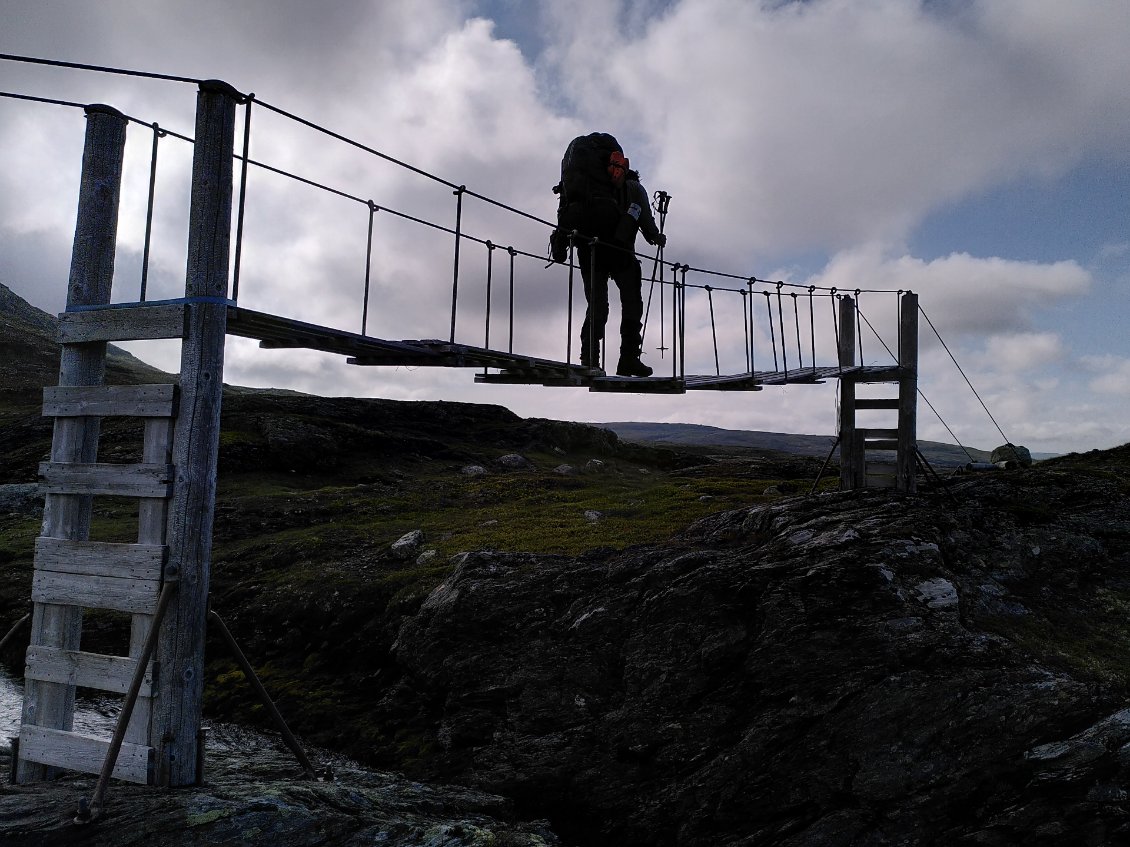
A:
{"x":151,"y":530}
{"x":51,"y":705}
{"x":906,"y":478}
{"x":851,"y":459}
{"x":180,"y":651}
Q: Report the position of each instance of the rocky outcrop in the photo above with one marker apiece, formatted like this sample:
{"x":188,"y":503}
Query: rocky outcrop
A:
{"x":844,"y":669}
{"x":254,"y":795}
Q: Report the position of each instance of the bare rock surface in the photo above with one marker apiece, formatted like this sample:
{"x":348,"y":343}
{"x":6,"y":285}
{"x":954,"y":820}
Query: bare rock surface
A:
{"x":255,"y":794}
{"x":850,"y":669}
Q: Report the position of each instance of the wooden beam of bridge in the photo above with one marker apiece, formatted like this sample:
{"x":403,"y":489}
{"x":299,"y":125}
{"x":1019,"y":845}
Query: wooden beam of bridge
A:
{"x":276,"y":332}
{"x":165,"y":320}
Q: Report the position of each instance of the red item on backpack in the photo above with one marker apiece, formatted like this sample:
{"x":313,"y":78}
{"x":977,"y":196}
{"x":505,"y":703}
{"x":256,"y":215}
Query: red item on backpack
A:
{"x":617,"y":168}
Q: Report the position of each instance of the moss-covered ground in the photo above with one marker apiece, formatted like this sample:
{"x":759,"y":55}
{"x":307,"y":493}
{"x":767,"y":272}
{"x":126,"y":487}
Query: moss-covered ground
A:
{"x":311,"y":495}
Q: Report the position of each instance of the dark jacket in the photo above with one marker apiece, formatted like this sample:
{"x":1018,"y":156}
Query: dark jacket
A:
{"x":636,"y":193}
{"x":633,"y":220}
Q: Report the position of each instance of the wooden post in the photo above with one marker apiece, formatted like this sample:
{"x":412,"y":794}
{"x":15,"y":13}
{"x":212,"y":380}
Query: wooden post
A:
{"x":851,"y":457}
{"x":177,"y":707}
{"x":67,"y":516}
{"x":905,"y":479}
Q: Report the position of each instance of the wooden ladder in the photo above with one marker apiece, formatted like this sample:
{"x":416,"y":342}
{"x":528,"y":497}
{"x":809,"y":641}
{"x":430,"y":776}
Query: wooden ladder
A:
{"x":859,"y":467}
{"x":72,"y":573}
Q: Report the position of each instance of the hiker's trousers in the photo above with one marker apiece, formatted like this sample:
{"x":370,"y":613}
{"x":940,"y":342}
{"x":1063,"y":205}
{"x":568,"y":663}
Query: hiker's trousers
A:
{"x":624,"y":269}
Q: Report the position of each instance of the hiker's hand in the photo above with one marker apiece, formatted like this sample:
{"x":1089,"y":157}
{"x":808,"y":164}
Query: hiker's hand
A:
{"x":660,"y":240}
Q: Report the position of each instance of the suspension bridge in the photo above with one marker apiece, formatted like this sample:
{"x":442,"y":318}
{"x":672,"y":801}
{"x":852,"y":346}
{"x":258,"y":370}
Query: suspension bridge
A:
{"x":161,"y":581}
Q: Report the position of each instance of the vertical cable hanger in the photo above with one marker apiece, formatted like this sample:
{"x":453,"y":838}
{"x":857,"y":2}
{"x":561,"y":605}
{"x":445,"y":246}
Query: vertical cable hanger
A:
{"x":510,"y":343}
{"x":458,"y":192}
{"x":248,"y":100}
{"x":373,"y":209}
{"x":158,"y":134}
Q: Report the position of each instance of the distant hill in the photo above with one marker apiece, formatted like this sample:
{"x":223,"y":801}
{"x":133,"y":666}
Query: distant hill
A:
{"x":29,"y":359}
{"x":699,"y":435}
{"x":29,"y":350}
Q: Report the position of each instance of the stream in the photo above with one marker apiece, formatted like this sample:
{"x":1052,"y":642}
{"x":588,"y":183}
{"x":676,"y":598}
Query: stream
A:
{"x":96,"y":716}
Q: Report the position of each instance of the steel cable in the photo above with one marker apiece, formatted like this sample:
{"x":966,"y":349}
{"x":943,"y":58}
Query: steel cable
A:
{"x":921,"y":393}
{"x":962,"y":372}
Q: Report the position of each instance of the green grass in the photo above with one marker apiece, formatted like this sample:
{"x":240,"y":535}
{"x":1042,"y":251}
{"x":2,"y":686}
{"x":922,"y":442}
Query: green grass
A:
{"x":539,"y":512}
{"x":1091,"y":639}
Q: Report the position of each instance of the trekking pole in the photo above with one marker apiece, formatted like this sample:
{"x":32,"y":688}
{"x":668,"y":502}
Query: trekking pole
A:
{"x":662,"y":203}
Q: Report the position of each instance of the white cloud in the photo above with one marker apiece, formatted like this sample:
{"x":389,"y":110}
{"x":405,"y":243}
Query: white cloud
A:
{"x":1024,"y":352}
{"x":828,"y":126}
{"x":786,"y":126}
{"x":1112,"y":374}
{"x":961,"y":294}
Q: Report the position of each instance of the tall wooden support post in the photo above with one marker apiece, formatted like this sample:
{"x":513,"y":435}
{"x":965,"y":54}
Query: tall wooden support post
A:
{"x":905,"y":479}
{"x":67,"y":516}
{"x":851,"y":475}
{"x":177,"y":707}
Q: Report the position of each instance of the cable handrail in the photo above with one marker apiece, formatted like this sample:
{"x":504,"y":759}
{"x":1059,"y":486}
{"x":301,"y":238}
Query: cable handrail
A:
{"x":678,"y":283}
{"x":386,"y":157}
{"x":962,"y":372}
{"x":58,"y":63}
{"x":922,"y":393}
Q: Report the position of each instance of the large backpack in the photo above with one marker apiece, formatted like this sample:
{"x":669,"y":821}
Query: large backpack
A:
{"x":584,"y":177}
{"x":584,"y":167}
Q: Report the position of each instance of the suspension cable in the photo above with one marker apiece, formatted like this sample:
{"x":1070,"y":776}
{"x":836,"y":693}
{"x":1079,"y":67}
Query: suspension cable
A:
{"x":490,"y":273}
{"x":796,"y":318}
{"x":772,"y":331}
{"x":922,"y":394}
{"x":365,"y":148}
{"x":962,"y":372}
{"x":510,"y":345}
{"x":745,"y":327}
{"x":713,"y":330}
{"x":858,"y":334}
{"x":836,"y":330}
{"x":158,"y":133}
{"x":373,"y":209}
{"x":812,"y":323}
{"x":50,"y":100}
{"x":242,"y":196}
{"x":752,"y":339}
{"x":33,"y":60}
{"x":784,"y":343}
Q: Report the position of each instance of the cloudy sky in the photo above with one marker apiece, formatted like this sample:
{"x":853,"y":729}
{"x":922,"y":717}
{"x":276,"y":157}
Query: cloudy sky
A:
{"x":976,"y":152}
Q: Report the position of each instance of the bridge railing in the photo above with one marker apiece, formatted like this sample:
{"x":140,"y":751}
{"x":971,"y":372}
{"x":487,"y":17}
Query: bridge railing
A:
{"x":500,"y":292}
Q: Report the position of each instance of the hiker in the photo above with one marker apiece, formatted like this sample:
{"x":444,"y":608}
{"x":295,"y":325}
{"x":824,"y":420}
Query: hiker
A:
{"x":602,"y":198}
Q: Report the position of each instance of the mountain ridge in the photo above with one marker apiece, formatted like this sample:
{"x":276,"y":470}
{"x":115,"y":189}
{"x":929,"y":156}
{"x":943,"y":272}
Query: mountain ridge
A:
{"x":29,"y":359}
{"x":645,"y":646}
{"x":939,"y":454}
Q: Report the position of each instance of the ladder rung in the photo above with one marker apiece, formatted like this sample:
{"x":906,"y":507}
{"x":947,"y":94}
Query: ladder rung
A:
{"x":84,"y":754}
{"x":140,"y":480}
{"x":135,"y":323}
{"x":86,"y":670}
{"x":870,"y":432}
{"x":149,"y":401}
{"x":100,"y":558}
{"x":876,"y":403}
{"x":880,"y":444}
{"x":95,"y":592}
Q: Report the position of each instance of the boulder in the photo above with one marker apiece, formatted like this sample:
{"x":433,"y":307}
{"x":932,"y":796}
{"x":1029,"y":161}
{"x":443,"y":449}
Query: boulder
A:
{"x":1012,"y":455}
{"x":408,"y":544}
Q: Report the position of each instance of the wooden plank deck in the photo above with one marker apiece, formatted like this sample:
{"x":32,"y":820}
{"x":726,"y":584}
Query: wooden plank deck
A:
{"x":275,"y":332}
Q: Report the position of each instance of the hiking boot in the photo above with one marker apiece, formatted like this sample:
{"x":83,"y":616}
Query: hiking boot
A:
{"x":632,"y":367}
